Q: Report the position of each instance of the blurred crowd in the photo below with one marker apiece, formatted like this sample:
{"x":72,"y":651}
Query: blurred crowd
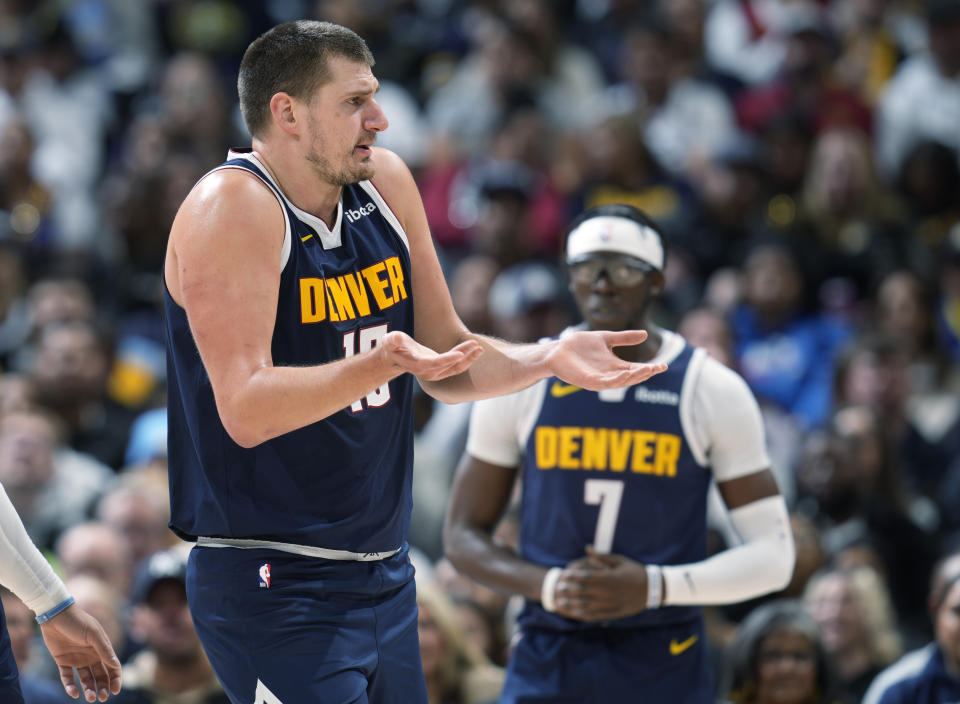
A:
{"x":802,"y":156}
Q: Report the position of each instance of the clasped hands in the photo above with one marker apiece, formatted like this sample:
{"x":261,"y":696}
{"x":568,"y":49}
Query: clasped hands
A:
{"x":600,"y":587}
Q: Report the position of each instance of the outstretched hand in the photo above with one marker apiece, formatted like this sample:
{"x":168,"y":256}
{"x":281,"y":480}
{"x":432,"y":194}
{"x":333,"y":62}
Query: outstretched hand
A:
{"x":586,"y":359}
{"x":601,"y":588}
{"x":409,"y":355}
{"x":76,"y":640}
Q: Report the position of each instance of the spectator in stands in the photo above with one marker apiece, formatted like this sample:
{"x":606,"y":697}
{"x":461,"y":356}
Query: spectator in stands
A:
{"x":138,"y":511}
{"x":785,"y":349}
{"x":929,"y":79}
{"x":850,"y":483}
{"x":96,"y":549}
{"x":778,"y":658}
{"x":70,"y":371}
{"x":172,"y":666}
{"x":456,"y":672}
{"x":803,"y":85}
{"x":848,"y":215}
{"x":25,"y":203}
{"x":858,"y":625}
{"x":927,"y":182}
{"x":903,"y":310}
{"x":51,"y":486}
{"x":930,"y":675}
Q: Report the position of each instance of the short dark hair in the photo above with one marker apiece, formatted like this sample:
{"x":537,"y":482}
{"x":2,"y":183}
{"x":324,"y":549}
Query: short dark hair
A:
{"x":292,"y":58}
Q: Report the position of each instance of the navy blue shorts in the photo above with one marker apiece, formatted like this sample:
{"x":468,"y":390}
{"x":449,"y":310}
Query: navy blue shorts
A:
{"x":607,"y":665}
{"x":9,"y":675}
{"x":305,"y":629}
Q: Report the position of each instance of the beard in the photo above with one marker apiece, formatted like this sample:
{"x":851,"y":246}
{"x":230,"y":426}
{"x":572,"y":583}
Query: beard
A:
{"x":346,"y":175}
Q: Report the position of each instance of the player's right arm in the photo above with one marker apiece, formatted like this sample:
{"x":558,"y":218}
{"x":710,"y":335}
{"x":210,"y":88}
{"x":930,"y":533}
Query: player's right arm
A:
{"x":223,"y":267}
{"x":481,"y":492}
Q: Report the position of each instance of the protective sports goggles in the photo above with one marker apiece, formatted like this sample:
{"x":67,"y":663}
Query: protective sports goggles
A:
{"x":619,"y":271}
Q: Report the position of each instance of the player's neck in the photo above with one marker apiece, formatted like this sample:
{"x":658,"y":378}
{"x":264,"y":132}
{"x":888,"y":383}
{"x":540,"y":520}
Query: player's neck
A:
{"x":298,"y":181}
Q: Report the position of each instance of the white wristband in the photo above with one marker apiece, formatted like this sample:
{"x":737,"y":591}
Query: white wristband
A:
{"x":654,"y":586}
{"x":548,"y":589}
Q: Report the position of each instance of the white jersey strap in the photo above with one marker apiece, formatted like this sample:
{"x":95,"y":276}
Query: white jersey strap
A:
{"x":306,"y":550}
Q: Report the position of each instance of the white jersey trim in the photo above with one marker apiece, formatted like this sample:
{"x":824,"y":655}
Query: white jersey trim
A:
{"x":385,"y":210}
{"x":285,"y":248}
{"x":330,"y":238}
{"x":306,"y":550}
{"x":278,"y":194}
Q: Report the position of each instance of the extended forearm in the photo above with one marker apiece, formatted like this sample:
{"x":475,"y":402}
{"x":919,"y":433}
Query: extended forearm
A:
{"x":504,"y":367}
{"x":477,"y":555}
{"x":272,"y":401}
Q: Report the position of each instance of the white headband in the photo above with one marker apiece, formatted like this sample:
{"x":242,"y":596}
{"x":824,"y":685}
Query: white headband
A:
{"x":611,"y":233}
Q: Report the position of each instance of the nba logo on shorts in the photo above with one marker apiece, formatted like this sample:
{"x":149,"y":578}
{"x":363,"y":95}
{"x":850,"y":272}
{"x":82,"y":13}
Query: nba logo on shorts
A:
{"x":265,"y":575}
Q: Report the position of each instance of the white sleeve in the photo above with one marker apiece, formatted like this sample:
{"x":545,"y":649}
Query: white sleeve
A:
{"x":727,"y":425}
{"x":499,"y":426}
{"x":23,"y":569}
{"x":763,"y":563}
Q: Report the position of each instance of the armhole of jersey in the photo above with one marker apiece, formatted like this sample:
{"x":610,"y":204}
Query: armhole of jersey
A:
{"x":688,"y":394}
{"x":530,"y":412}
{"x":285,"y":248}
{"x":388,"y":214}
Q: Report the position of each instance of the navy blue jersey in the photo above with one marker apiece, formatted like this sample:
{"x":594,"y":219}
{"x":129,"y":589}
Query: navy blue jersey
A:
{"x":9,"y":675}
{"x":342,"y":483}
{"x":621,"y":466}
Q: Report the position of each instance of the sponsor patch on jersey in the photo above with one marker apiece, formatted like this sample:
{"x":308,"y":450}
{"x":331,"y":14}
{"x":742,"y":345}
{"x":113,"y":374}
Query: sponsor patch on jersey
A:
{"x":663,"y":397}
{"x":354,"y":214}
{"x":264,"y":573}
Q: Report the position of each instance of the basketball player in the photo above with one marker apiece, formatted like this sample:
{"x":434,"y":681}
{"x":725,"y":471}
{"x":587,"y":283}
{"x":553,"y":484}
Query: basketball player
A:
{"x":303,"y":295}
{"x":613,"y":515}
{"x":75,"y":639}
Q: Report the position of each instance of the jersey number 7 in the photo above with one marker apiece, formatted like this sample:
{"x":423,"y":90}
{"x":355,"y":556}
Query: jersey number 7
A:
{"x":607,"y":493}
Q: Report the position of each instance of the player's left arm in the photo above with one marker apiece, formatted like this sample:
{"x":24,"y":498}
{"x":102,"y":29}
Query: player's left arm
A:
{"x":584,"y":359}
{"x":732,"y":431}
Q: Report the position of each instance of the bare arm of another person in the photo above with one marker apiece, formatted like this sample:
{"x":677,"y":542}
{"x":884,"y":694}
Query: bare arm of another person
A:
{"x":480,"y":494}
{"x":584,"y":358}
{"x":75,"y":639}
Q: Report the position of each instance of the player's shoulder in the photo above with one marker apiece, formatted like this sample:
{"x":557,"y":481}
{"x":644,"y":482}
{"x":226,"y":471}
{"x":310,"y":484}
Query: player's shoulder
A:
{"x":231,"y":187}
{"x":232,"y":200}
{"x":716,"y":378}
{"x":391,"y":172}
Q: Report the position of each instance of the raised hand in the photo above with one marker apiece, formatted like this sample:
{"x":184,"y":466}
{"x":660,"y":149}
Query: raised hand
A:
{"x":76,"y":640}
{"x":586,"y":359}
{"x":424,"y":363}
